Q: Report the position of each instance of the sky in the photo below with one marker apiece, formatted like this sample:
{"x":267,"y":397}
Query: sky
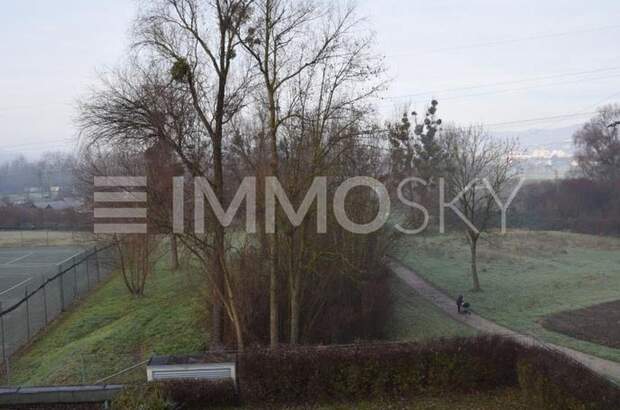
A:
{"x":510,"y":65}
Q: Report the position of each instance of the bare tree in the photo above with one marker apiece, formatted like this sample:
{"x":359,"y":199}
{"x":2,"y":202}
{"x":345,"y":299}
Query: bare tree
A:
{"x":598,"y":145}
{"x":138,"y":255}
{"x":282,"y":42}
{"x":300,"y":47}
{"x":199,"y":40}
{"x":183,"y":89}
{"x":480,"y":169}
{"x":188,"y":89}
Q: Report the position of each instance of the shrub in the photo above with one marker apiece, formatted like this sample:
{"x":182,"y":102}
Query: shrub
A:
{"x":196,"y":394}
{"x":141,"y":397}
{"x":551,"y":380}
{"x":325,"y":374}
{"x":331,"y":374}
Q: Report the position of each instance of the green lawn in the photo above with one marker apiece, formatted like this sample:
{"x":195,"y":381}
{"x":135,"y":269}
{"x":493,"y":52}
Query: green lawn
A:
{"x":111,"y":331}
{"x":524,"y":275}
{"x":416,"y":319}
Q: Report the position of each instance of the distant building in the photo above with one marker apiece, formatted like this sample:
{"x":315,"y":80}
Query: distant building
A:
{"x":67,"y":203}
{"x":3,"y":204}
{"x":26,"y":204}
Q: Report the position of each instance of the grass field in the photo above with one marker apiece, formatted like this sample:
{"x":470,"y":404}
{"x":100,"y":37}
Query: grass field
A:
{"x":416,"y":319}
{"x":111,"y":331}
{"x":525,"y":277}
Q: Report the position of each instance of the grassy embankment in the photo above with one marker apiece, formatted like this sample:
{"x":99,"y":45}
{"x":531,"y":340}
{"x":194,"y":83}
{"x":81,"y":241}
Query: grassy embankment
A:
{"x":110,"y":331}
{"x":525,"y":276}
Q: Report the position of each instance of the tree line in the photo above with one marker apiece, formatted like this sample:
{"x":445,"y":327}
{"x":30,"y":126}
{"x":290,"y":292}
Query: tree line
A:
{"x":588,"y":200}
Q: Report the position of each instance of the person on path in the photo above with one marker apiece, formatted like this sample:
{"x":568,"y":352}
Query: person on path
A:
{"x":459,"y":303}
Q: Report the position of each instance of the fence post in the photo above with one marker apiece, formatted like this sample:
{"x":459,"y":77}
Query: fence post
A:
{"x":82,"y":369}
{"x":87,"y":260}
{"x":97,"y":265}
{"x":27,"y":314}
{"x":4,"y":354}
{"x":62,"y":288}
{"x":44,"y":283}
{"x":75,"y":284}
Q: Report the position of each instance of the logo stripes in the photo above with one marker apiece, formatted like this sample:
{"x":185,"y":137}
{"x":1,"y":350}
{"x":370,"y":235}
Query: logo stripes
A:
{"x":120,"y":197}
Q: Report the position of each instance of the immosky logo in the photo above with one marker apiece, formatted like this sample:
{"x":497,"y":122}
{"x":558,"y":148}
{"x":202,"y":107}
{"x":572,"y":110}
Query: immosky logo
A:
{"x":275,"y":196}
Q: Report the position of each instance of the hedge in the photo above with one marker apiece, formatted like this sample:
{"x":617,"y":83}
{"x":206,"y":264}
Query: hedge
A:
{"x":332,"y":374}
{"x":328,"y":374}
{"x":550,"y":380}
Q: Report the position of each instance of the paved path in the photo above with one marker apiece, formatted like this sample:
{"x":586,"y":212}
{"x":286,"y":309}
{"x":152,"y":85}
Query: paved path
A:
{"x":448,"y":305}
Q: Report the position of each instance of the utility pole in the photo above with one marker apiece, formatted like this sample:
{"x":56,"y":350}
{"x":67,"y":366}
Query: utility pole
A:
{"x":614,"y":125}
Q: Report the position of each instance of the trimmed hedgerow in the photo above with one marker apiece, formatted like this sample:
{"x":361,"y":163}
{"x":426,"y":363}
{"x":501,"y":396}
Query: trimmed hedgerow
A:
{"x":550,"y":380}
{"x":331,"y":374}
{"x":195,"y":394}
{"x":139,"y":397}
{"x":327,"y":374}
{"x":185,"y":394}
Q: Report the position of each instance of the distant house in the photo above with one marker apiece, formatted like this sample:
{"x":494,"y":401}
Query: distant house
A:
{"x":67,"y":203}
{"x":55,"y":193}
{"x":26,"y":204}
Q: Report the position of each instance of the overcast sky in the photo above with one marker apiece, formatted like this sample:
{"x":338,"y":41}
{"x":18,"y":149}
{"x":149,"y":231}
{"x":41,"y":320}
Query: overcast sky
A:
{"x":487,"y":61}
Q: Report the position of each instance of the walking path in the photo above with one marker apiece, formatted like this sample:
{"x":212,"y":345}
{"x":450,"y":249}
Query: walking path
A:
{"x":448,"y":305}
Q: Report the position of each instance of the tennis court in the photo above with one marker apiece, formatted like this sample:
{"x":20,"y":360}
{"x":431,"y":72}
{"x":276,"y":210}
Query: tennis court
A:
{"x":23,"y":269}
{"x":38,"y":283}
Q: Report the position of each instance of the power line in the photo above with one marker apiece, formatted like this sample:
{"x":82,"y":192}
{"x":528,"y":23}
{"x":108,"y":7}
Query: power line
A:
{"x":467,"y":96}
{"x":538,"y":119}
{"x":473,"y":87}
{"x":596,"y":105}
{"x":533,"y":87}
{"x":508,"y":41}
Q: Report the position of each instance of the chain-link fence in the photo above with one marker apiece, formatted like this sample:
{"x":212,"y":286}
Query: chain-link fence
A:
{"x":48,"y":294}
{"x":45,"y":237}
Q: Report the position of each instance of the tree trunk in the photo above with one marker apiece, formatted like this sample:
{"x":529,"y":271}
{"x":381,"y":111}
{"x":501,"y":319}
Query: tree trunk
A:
{"x":219,"y":255}
{"x":473,"y":241}
{"x":239,"y":336}
{"x":273,"y":274}
{"x":273,"y":294}
{"x":216,"y":323}
{"x":174,"y":253}
{"x":295,"y":311}
{"x":233,"y":314}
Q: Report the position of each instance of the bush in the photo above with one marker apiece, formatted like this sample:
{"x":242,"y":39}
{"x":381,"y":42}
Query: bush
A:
{"x":327,"y":374}
{"x":181,"y":394}
{"x":331,"y":374}
{"x":141,"y":397}
{"x":550,"y":380}
{"x":196,"y":394}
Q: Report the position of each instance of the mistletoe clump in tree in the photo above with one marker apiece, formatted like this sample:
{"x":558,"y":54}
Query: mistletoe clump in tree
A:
{"x":418,"y":153}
